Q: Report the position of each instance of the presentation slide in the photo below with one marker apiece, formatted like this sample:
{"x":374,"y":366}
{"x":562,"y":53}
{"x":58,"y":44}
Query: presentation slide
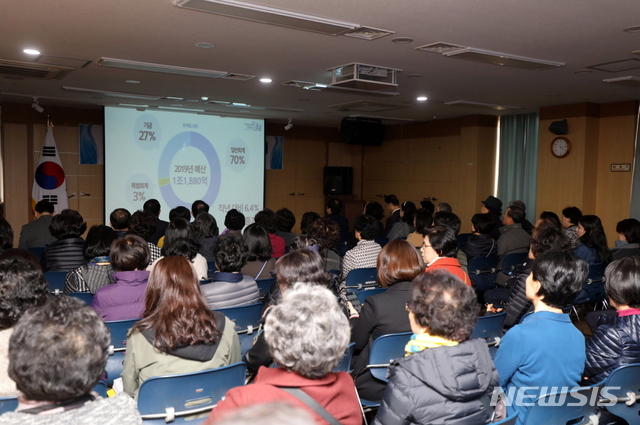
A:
{"x":178,"y":158}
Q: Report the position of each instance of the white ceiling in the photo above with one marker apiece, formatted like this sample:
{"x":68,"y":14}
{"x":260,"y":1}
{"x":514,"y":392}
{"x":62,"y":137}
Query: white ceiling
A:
{"x":579,"y":33}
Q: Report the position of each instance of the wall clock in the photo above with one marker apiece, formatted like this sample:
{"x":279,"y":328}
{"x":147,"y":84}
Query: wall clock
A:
{"x":560,"y":147}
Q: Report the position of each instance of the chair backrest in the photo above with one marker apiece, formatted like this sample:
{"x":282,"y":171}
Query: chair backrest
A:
{"x":119,"y":330}
{"x":463,"y":238}
{"x":363,"y":294}
{"x":560,"y":408}
{"x":198,"y":392}
{"x":381,"y":241}
{"x":359,"y":277}
{"x":386,"y":349}
{"x":489,"y":327}
{"x":56,"y":281}
{"x":87,"y":297}
{"x":265,"y":285}
{"x":211,"y":268}
{"x":8,"y":404}
{"x":621,"y":383}
{"x":511,"y":262}
{"x":511,"y":420}
{"x":37,"y":251}
{"x":101,"y":388}
{"x":482,"y":272}
{"x":245,"y":316}
{"x":345,"y":362}
{"x":596,"y":272}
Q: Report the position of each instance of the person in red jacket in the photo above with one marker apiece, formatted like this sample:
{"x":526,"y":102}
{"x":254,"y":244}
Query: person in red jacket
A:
{"x":439,"y":251}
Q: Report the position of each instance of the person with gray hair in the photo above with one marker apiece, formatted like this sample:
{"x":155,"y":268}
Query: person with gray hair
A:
{"x":307,"y":334}
{"x":57,"y":354}
{"x":526,"y":224}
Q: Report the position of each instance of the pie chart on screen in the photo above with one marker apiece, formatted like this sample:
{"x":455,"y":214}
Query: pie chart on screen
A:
{"x":49,"y":175}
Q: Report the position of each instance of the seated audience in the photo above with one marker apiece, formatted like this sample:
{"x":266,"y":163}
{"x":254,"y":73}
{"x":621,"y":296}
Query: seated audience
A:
{"x":144,"y":226}
{"x":334,"y":208}
{"x":439,"y":251}
{"x":179,"y":241}
{"x":545,"y":350}
{"x":421,"y":222}
{"x":307,"y":334}
{"x":398,"y":264}
{"x":616,"y":342}
{"x":308,"y":219}
{"x":97,"y":272}
{"x":445,"y":377}
{"x":6,"y":235}
{"x":205,"y":232}
{"x":125,"y":298}
{"x":177,"y":212}
{"x":151,"y":208}
{"x":301,"y":265}
{"x":628,"y":242}
{"x":546,"y":218}
{"x":526,"y":224}
{"x":453,"y":223}
{"x":285,"y":220}
{"x":404,"y":227}
{"x":66,"y":253}
{"x":57,"y":354}
{"x":480,"y":242}
{"x":513,"y":239}
{"x":234,"y":222}
{"x":267,"y":219}
{"x":277,"y":412}
{"x":444,"y":207}
{"x":22,"y":286}
{"x":593,"y":247}
{"x":36,"y":233}
{"x":260,"y":263}
{"x":178,"y":332}
{"x":119,"y":221}
{"x":570,"y":218}
{"x":493,"y":206}
{"x":198,"y":207}
{"x":229,"y":287}
{"x":327,"y":235}
{"x":428,"y":205}
{"x":393,"y":206}
{"x":374,"y":209}
{"x":365,"y":253}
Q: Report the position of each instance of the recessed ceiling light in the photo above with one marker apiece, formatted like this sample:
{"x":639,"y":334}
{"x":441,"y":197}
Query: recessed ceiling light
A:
{"x":402,"y":40}
{"x":204,"y":98}
{"x":205,"y":45}
{"x":421,"y":98}
{"x":635,"y":28}
{"x":31,"y":51}
{"x":132,"y":81}
{"x":265,"y":80}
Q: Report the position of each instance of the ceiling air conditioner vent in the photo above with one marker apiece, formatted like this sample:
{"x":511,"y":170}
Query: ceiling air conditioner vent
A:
{"x":32,"y":70}
{"x":238,"y":77}
{"x":439,"y":47}
{"x":367,"y":33}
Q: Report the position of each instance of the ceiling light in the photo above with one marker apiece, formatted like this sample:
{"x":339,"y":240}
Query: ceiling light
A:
{"x":265,"y":80}
{"x":204,"y":45}
{"x":635,"y":28}
{"x":421,"y":98}
{"x":629,"y":80}
{"x":204,"y":98}
{"x":31,"y":51}
{"x":267,"y":15}
{"x":289,"y":125}
{"x":157,"y":67}
{"x":132,"y":81}
{"x":37,"y":106}
{"x":402,"y":40}
{"x":133,"y":105}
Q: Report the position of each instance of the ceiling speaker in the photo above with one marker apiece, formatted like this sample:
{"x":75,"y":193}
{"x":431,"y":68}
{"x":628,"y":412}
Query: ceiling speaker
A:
{"x":559,"y":128}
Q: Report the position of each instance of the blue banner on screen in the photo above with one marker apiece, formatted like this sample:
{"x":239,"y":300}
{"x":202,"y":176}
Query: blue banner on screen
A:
{"x":178,"y":158}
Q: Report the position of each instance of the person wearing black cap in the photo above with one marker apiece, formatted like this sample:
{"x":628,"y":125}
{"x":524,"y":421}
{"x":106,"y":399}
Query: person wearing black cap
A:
{"x":493,"y":206}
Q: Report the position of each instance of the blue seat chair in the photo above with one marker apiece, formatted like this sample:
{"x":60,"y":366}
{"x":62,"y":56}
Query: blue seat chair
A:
{"x":87,"y":297}
{"x":593,"y":287}
{"x":482,"y":272}
{"x":246,"y":319}
{"x":361,"y":278}
{"x":462,"y":239}
{"x":363,"y":294}
{"x":381,"y":241}
{"x":37,"y":251}
{"x":56,"y":282}
{"x":490,"y":328}
{"x":101,"y":388}
{"x":622,"y":390}
{"x":512,"y":262}
{"x":345,"y":362}
{"x":384,"y":350}
{"x":179,"y":399}
{"x":265,"y":285}
{"x":211,"y":268}
{"x":8,"y":404}
{"x":571,"y":407}
{"x":115,"y":362}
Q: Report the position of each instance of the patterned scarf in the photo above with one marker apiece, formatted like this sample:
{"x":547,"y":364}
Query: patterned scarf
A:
{"x":420,"y":342}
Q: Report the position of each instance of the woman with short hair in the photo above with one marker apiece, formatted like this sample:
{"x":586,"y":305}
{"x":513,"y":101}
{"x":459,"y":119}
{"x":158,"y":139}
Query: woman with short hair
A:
{"x":326,"y":233}
{"x":97,"y":272}
{"x":439,"y":251}
{"x":125,"y":298}
{"x":260,"y":263}
{"x":205,"y":232}
{"x":365,"y":253}
{"x":229,"y":287}
{"x":67,"y":252}
{"x":145,"y":226}
{"x":398,"y":264}
{"x":628,"y":242}
{"x":308,"y":335}
{"x":445,"y":377}
{"x":178,"y":332}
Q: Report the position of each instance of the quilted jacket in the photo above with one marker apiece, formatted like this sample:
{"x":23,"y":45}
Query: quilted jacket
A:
{"x":442,"y":385}
{"x":518,"y":305}
{"x":615,"y":343}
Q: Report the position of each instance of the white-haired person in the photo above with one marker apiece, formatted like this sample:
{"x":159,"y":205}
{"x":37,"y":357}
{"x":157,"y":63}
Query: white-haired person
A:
{"x":307,"y":333}
{"x":57,"y":354}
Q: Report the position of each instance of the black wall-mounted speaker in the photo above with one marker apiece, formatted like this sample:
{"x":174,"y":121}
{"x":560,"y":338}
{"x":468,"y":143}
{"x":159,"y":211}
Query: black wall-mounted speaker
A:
{"x":362,"y":131}
{"x":559,"y":128}
{"x":338,"y":180}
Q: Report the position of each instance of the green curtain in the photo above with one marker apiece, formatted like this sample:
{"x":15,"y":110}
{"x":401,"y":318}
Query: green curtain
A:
{"x":518,"y":161}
